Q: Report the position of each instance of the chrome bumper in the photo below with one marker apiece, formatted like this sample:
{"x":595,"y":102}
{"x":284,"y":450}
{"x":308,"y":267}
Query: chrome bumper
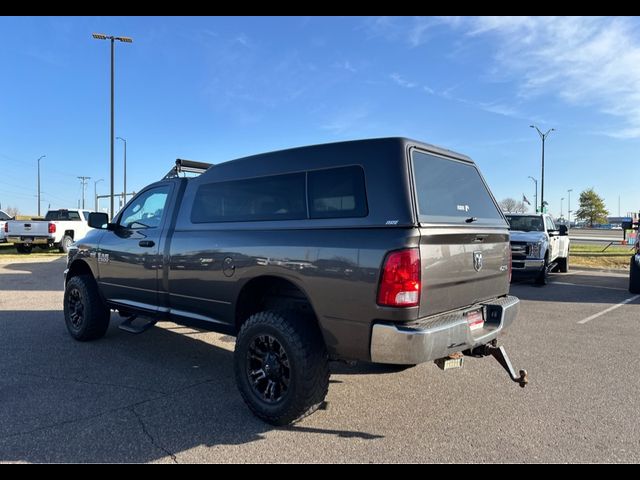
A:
{"x":31,"y":240}
{"x":439,"y":336}
{"x":529,"y":265}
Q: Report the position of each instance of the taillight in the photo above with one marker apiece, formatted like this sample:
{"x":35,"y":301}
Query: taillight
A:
{"x":52,"y":228}
{"x":400,"y":283}
{"x":6,"y":227}
{"x":510,"y":263}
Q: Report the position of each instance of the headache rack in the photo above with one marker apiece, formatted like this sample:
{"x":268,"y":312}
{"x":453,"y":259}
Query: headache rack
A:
{"x":187,"y":166}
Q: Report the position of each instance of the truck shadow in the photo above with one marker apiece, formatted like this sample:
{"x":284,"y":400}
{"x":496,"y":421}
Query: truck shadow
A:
{"x":125,"y":398}
{"x":33,"y":276}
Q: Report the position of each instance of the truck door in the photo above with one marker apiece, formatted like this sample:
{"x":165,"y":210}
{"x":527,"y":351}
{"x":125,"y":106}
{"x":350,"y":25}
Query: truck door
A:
{"x":129,"y":258}
{"x":554,"y":238}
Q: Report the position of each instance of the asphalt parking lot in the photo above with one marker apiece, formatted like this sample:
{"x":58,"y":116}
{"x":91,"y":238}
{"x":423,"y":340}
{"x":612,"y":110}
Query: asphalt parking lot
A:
{"x":169,"y":395}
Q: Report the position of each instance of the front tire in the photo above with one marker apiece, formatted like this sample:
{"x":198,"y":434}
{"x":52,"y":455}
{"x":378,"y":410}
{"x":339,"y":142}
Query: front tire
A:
{"x":543,"y":276}
{"x":634,"y":276}
{"x":86,"y":316}
{"x":281,"y":366}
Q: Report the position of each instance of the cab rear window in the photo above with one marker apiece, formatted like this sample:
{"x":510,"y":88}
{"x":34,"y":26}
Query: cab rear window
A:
{"x":451,"y":191}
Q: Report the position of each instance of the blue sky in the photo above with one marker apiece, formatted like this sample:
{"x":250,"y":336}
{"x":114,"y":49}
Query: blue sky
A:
{"x":213,"y":89}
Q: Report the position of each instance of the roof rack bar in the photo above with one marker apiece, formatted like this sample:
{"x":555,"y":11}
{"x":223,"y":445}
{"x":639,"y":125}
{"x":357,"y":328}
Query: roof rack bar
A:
{"x":187,"y":166}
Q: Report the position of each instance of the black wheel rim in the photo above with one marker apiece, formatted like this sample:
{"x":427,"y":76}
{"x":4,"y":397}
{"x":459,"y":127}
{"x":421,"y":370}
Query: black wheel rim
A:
{"x":76,"y":308}
{"x":268,"y":369}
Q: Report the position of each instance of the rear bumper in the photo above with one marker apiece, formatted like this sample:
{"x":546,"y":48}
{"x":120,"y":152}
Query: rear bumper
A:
{"x":439,"y":336}
{"x":31,"y":240}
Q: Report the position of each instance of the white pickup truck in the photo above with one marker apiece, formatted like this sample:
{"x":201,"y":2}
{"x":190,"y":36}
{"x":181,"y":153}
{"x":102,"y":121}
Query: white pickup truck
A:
{"x":4,"y":218}
{"x":60,"y":228}
{"x":538,"y":246}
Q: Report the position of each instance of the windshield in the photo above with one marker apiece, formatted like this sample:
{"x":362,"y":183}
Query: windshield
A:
{"x":525,"y":223}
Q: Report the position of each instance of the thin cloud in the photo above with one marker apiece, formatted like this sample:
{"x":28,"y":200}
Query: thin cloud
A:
{"x":585,"y":61}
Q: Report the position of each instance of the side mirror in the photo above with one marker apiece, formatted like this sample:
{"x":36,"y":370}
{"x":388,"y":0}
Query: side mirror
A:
{"x":98,"y":220}
{"x":627,"y":225}
{"x":564,"y":231}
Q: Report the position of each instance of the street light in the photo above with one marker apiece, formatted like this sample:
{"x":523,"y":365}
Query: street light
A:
{"x":569,"y":209}
{"x":39,"y":183}
{"x":95,"y":193}
{"x":125,"y":169}
{"x":535,"y":206}
{"x":543,"y":137}
{"x":561,"y":200}
{"x":102,"y":36}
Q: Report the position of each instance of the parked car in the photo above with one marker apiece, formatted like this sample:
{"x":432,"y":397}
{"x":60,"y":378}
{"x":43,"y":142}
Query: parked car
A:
{"x":634,"y":264}
{"x":538,"y":246}
{"x":387,"y":250}
{"x":58,"y":229}
{"x":4,"y":218}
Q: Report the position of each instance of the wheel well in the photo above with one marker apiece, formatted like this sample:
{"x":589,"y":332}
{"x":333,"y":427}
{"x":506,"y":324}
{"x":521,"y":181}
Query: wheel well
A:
{"x":68,"y":233}
{"x":270,"y":293}
{"x":78,"y":268}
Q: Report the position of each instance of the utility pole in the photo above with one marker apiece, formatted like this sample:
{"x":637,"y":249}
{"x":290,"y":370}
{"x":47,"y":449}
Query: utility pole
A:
{"x":569,"y":209}
{"x":535,"y":195}
{"x":39,"y":183}
{"x":83,"y":181}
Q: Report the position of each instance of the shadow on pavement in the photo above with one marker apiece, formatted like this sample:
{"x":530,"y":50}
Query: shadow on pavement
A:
{"x":33,"y":276}
{"x":124,"y":398}
{"x":583,"y":287}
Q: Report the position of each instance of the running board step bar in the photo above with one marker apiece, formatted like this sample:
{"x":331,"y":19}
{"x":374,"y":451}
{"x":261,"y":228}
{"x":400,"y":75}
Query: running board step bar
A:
{"x":129,"y":327}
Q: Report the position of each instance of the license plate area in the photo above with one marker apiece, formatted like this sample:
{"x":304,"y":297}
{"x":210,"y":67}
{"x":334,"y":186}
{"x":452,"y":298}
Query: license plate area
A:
{"x":475,"y":319}
{"x":27,"y":239}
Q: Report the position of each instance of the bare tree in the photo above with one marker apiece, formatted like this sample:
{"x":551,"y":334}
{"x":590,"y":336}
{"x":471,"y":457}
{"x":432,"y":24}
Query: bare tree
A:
{"x":508,"y":205}
{"x":12,"y":211}
{"x":521,"y":208}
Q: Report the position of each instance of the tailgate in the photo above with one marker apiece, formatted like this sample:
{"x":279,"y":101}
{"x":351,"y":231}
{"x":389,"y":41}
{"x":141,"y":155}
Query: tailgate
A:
{"x":28,"y":228}
{"x":460,"y":268}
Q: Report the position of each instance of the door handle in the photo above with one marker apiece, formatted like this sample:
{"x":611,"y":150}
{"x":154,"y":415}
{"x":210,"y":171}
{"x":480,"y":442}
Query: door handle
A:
{"x":146,"y":243}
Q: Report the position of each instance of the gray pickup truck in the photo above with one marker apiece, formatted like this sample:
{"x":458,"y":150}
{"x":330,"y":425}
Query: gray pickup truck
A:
{"x":383,"y":250}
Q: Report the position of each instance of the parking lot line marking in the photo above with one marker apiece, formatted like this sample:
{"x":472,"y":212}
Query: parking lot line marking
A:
{"x":610,"y":309}
{"x":589,"y":286}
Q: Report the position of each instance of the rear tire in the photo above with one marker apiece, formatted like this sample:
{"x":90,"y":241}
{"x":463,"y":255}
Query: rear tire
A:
{"x":281,"y":366}
{"x":85,"y":314}
{"x":634,"y":276}
{"x":65,"y":244}
{"x":563,"y":264}
{"x":22,"y":248}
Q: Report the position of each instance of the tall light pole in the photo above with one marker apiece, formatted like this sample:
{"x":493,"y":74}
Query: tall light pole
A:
{"x":39,"y":183}
{"x":95,"y":193}
{"x":535,"y":196}
{"x":124,"y":195}
{"x":561,"y":200}
{"x":101,"y":36}
{"x":543,"y":137}
{"x":569,"y":209}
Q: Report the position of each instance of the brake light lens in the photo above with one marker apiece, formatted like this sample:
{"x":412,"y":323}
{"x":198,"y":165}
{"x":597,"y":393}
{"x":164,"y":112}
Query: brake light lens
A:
{"x":6,"y":227}
{"x":52,"y":228}
{"x":400,"y":284}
